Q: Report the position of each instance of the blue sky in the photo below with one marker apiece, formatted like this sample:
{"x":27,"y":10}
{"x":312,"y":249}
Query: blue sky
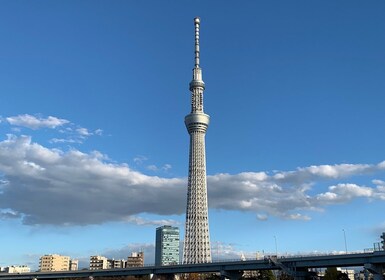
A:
{"x":93,"y":148}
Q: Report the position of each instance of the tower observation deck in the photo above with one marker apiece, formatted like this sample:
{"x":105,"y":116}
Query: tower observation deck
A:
{"x":197,"y":237}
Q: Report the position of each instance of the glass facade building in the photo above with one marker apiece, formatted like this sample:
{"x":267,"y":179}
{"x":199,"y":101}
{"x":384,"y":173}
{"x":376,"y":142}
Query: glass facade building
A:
{"x":167,"y":245}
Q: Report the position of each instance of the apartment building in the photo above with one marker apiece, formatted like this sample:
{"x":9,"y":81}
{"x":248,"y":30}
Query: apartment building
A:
{"x":98,"y":262}
{"x":54,"y":263}
{"x":136,"y":259}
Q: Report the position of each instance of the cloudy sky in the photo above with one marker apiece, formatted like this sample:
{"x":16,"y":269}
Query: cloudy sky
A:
{"x":93,"y":148}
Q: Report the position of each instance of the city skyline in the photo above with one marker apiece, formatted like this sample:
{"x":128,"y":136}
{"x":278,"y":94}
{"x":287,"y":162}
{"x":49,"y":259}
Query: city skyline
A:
{"x":93,"y":142}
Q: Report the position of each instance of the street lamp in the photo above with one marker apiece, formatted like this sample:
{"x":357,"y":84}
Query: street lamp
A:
{"x":346,"y":247}
{"x":276,"y":247}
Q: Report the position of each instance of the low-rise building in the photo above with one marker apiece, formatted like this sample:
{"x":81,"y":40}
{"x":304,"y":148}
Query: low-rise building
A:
{"x":16,"y":269}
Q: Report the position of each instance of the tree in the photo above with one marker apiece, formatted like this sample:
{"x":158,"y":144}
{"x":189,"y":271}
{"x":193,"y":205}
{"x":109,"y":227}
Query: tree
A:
{"x":284,"y":276}
{"x":331,"y":273}
{"x":265,"y":275}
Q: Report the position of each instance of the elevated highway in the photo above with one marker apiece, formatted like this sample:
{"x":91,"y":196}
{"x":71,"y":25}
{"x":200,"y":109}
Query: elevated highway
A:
{"x":298,"y":267}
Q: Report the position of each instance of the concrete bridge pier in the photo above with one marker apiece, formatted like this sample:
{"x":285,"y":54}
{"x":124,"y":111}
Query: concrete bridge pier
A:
{"x":232,"y":275}
{"x":376,"y":270}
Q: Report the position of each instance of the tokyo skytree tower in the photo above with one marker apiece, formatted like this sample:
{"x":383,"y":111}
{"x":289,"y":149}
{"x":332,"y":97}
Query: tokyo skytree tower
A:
{"x":197,"y":237}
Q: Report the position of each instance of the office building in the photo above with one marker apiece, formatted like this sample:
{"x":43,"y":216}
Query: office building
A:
{"x":167,"y":245}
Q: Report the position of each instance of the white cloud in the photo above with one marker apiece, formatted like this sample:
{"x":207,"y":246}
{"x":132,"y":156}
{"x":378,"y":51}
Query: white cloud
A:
{"x":325,"y":172}
{"x":166,"y":167}
{"x":145,"y":222}
{"x":98,"y":132}
{"x":140,"y":159}
{"x":298,"y":216}
{"x":152,"y":167}
{"x":262,"y":217}
{"x":34,"y":123}
{"x":379,"y":182}
{"x":83,"y":132}
{"x":61,"y":140}
{"x":35,"y":177}
{"x":97,"y":191}
{"x":155,"y":168}
{"x":124,"y":252}
{"x":70,"y":133}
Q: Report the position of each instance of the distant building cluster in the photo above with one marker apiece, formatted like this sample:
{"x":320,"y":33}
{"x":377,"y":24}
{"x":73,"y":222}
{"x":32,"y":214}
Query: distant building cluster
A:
{"x":166,"y":253}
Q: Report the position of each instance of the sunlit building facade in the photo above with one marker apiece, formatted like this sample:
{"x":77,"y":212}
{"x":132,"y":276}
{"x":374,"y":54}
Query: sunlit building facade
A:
{"x":54,"y":263}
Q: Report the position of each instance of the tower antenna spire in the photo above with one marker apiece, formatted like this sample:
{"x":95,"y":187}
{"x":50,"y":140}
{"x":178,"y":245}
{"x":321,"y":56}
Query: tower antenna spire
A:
{"x":197,"y":23}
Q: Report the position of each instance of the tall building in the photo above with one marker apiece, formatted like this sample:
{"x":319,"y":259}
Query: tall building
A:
{"x":167,"y":245}
{"x":54,"y":263}
{"x":135,"y":260}
{"x":197,"y":237}
{"x":98,"y":262}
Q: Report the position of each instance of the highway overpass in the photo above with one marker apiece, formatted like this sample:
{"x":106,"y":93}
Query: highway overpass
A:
{"x":297,"y":267}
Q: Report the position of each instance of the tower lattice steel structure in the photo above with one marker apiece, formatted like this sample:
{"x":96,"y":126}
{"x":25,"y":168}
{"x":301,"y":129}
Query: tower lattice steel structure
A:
{"x":197,"y":237}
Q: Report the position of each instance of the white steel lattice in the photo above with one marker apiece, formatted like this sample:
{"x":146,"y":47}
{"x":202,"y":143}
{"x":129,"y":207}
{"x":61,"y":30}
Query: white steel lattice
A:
{"x":197,"y":237}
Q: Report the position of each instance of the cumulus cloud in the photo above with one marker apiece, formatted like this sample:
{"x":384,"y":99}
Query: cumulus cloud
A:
{"x":336,"y":171}
{"x":34,"y":123}
{"x":50,"y":186}
{"x":82,"y":188}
